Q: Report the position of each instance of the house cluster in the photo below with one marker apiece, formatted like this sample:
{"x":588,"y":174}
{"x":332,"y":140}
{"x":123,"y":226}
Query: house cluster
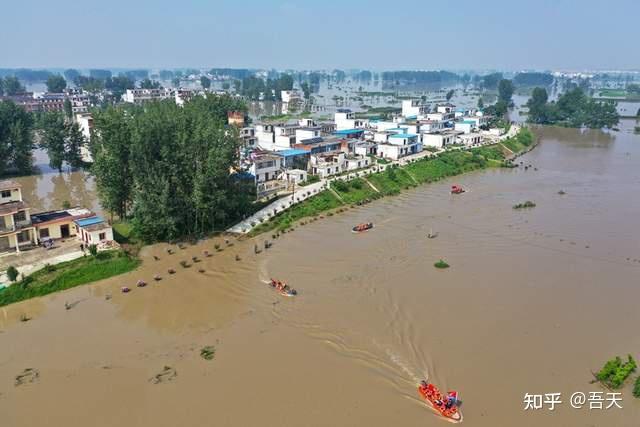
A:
{"x":35,"y":102}
{"x":20,"y":229}
{"x":278,"y":154}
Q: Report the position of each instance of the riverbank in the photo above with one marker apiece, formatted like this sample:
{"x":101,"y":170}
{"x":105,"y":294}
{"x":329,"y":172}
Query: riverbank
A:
{"x":58,"y":277}
{"x":368,"y":185}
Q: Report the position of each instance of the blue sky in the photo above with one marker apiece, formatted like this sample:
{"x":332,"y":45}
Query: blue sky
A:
{"x":408,"y":34}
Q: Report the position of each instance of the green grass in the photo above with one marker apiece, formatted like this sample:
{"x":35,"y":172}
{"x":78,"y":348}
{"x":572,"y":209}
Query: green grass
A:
{"x":323,"y":201}
{"x":636,"y":388}
{"x":520,"y":142}
{"x":354,"y":191}
{"x":392,"y":181}
{"x":615,"y":93}
{"x":122,"y":232}
{"x":68,"y":275}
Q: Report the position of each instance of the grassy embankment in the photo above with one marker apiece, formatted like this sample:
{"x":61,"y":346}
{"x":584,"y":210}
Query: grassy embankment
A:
{"x":69,"y":274}
{"x":392,"y":181}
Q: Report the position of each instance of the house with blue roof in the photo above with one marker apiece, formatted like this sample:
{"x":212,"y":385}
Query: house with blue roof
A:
{"x":94,"y":230}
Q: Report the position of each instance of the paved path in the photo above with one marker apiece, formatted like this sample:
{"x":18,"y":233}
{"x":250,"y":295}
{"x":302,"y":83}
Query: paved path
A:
{"x":301,"y":193}
{"x":30,"y":268}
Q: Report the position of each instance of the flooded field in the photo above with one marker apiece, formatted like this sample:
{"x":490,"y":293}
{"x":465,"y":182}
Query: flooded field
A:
{"x":534,"y":301}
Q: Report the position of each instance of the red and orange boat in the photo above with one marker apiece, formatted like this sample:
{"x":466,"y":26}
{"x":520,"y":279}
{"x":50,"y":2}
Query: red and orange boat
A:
{"x":282,"y":288}
{"x":456,"y":189}
{"x":447,"y":405}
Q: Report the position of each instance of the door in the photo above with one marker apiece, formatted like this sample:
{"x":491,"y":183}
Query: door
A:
{"x":64,"y":231}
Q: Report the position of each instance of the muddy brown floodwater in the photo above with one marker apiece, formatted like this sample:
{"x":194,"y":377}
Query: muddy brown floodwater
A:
{"x":533,"y":302}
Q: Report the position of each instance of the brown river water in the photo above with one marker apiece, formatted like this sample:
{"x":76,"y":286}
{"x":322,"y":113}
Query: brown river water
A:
{"x":533,"y":302}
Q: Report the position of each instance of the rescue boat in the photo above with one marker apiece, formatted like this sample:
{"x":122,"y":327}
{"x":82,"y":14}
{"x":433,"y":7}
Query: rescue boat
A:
{"x":456,"y":189}
{"x":282,"y":288}
{"x":361,"y":228}
{"x":447,"y":406}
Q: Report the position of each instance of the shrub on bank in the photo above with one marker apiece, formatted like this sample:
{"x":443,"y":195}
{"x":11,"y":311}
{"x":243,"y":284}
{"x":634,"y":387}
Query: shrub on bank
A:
{"x":441,"y":264}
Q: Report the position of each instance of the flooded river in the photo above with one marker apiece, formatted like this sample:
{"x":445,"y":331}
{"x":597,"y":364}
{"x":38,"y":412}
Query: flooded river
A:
{"x":534,"y":301}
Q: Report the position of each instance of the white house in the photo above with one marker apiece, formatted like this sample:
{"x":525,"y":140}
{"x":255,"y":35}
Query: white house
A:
{"x":400,"y":145}
{"x":308,"y":133}
{"x":94,"y":230}
{"x":413,"y":108}
{"x":430,"y":126}
{"x":85,"y":123}
{"x":470,"y":139}
{"x":138,"y":96}
{"x":440,"y":139}
{"x":266,"y":167}
{"x":290,"y":96}
{"x":327,"y":164}
{"x":296,"y":176}
{"x":345,"y":119}
{"x":466,"y":126}
{"x":365,"y":148}
{"x":353,"y":162}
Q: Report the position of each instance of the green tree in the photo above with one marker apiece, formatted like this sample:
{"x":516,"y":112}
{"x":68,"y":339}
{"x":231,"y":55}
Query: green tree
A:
{"x":178,"y":161}
{"x":1,"y":86}
{"x":53,"y":138}
{"x":110,"y":149}
{"x":306,"y":90}
{"x":12,"y":86}
{"x":149,"y":84}
{"x":226,"y":86}
{"x":68,"y":108}
{"x":450,"y":95}
{"x":16,"y":141}
{"x":71,"y":74}
{"x":56,"y":83}
{"x":237,"y":85}
{"x":505,"y":91}
{"x":205,"y":82}
{"x":537,"y":104}
{"x":480,"y":103}
{"x":176,"y":82}
{"x":74,"y":141}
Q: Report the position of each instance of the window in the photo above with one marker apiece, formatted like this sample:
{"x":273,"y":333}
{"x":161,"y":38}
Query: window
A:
{"x":44,"y":232}
{"x":20,"y":216}
{"x":102,"y":236}
{"x":23,"y":237}
{"x":6,"y":194}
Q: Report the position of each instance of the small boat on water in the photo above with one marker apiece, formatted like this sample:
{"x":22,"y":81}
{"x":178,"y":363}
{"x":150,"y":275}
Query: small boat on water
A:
{"x":282,"y":288}
{"x":447,"y":405}
{"x":456,"y":189}
{"x":361,"y":228}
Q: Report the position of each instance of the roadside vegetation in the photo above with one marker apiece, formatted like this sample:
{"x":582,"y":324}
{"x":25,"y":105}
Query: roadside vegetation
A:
{"x":53,"y":278}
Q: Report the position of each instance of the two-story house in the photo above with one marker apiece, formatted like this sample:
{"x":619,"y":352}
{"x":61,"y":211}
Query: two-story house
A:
{"x":16,"y":229}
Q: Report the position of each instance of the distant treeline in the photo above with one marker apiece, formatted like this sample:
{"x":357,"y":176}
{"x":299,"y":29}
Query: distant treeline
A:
{"x":533,"y":79}
{"x":427,"y":77}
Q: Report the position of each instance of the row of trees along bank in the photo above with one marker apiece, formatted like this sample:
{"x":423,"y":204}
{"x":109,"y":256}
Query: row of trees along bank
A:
{"x":167,"y":168}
